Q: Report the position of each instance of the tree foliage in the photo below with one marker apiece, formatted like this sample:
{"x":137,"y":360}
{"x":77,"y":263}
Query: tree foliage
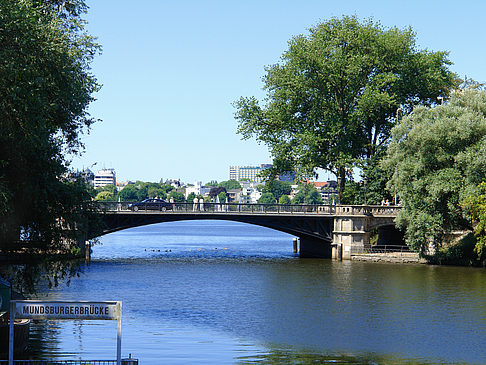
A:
{"x":230,"y":184}
{"x":177,"y":196}
{"x":475,"y":207}
{"x":277,"y":188}
{"x":129,"y":193}
{"x":45,"y":89}
{"x":267,"y":198}
{"x":437,"y":159}
{"x":333,"y":99}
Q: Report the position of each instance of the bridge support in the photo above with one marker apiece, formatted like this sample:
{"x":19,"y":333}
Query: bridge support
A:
{"x":314,"y":247}
{"x":351,"y":231}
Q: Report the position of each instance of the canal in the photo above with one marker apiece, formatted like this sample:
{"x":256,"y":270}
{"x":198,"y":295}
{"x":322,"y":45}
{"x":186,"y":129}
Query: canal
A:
{"x":228,"y":293}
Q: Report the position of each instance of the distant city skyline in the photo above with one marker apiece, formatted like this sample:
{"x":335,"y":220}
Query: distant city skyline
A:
{"x":171,"y":71}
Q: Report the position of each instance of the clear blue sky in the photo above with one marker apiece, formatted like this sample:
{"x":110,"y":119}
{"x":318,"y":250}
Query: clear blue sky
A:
{"x":171,"y":69}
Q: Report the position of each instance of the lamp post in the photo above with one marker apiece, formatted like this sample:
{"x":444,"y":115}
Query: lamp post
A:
{"x":339,"y":189}
{"x":365,"y":190}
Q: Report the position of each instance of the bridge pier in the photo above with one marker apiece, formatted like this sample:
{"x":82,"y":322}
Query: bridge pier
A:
{"x":351,"y":231}
{"x":314,"y":247}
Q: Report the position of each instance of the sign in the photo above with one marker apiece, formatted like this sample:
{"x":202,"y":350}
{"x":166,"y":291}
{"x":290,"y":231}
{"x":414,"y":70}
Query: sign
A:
{"x":33,"y":309}
{"x":38,"y":309}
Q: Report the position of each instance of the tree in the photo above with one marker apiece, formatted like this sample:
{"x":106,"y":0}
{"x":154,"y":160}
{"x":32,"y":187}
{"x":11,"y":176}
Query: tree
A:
{"x":215,"y":191}
{"x":313,"y":197}
{"x":230,"y":184}
{"x":45,"y":89}
{"x":284,"y":199}
{"x":475,"y":207}
{"x":438,"y":158}
{"x":105,"y":195}
{"x":190,"y":197}
{"x":212,"y":183}
{"x":177,"y":196}
{"x":222,"y":197}
{"x":267,"y":198}
{"x":277,"y":188}
{"x":129,"y":193}
{"x":299,"y":198}
{"x":154,"y":192}
{"x":333,"y":99}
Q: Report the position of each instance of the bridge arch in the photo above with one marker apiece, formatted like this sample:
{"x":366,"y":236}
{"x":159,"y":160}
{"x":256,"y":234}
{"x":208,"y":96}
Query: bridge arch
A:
{"x":314,"y":232}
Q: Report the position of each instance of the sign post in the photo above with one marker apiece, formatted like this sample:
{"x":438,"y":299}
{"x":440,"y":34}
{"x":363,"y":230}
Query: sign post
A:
{"x":36,"y":309}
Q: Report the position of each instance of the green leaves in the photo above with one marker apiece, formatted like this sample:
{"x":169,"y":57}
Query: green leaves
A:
{"x":45,"y":89}
{"x":475,"y":207}
{"x":437,"y":158}
{"x":332,"y":99}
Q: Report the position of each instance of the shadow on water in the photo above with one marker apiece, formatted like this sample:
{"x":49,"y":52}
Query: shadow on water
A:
{"x":277,"y":356}
{"x":31,"y":278}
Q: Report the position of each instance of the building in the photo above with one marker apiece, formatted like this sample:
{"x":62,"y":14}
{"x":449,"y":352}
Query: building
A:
{"x":105,"y":177}
{"x":250,"y":173}
{"x":197,"y":189}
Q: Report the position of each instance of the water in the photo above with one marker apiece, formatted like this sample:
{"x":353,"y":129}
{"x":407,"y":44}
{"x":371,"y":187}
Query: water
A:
{"x":228,"y":293}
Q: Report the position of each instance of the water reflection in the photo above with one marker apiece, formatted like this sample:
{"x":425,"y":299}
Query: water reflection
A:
{"x":256,"y":302}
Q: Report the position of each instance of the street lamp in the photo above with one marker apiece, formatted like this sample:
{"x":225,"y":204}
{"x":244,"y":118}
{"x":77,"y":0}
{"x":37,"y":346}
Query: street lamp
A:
{"x":365,"y":190}
{"x":339,"y":189}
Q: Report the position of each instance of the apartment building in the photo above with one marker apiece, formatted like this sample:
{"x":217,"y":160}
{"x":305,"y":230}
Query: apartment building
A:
{"x":105,"y":177}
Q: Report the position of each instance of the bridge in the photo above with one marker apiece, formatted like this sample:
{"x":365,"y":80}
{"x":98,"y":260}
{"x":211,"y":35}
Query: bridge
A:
{"x":335,"y":231}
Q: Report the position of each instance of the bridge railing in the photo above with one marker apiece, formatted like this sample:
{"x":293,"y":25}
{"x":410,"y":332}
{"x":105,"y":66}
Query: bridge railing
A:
{"x":381,"y":249}
{"x":215,"y":208}
{"x":372,"y":210}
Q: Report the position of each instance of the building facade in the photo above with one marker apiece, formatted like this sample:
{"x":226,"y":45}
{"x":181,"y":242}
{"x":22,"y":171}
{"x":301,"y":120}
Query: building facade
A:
{"x":197,"y":189}
{"x":250,"y":173}
{"x":105,"y":177}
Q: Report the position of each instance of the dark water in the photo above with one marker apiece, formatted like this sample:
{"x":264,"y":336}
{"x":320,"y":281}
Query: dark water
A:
{"x":229,"y":293}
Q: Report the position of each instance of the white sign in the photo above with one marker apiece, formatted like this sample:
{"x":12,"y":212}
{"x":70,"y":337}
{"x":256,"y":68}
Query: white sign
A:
{"x":37,"y":309}
{"x":32,"y":309}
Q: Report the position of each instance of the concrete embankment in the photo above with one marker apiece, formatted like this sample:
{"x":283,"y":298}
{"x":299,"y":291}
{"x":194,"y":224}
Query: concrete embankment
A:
{"x":391,"y":257}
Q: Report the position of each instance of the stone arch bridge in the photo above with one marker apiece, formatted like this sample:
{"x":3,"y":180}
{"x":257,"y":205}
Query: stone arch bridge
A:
{"x":335,"y":231}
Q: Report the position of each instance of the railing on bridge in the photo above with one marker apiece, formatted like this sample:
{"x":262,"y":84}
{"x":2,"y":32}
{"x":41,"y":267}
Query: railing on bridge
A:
{"x":372,"y":210}
{"x":215,"y":208}
{"x":70,"y":362}
{"x":340,"y":210}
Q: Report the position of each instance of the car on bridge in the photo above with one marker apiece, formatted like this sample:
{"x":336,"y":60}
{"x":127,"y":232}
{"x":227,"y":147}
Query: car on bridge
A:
{"x":151,"y":204}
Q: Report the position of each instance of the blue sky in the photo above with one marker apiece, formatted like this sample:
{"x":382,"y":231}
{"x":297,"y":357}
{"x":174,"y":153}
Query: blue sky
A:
{"x":171,"y":70}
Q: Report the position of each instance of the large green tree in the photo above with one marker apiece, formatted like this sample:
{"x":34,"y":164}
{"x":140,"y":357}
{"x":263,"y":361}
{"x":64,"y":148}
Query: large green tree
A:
{"x":277,"y":188}
{"x":475,"y":207}
{"x":45,"y":89}
{"x":438,"y":158}
{"x":230,"y":184}
{"x":333,"y":98}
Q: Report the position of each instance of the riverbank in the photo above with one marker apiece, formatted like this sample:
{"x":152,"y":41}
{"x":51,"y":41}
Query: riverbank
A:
{"x":391,"y":257}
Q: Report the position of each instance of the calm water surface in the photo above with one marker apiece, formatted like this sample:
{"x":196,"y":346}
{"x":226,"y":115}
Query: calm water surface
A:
{"x":228,"y":293}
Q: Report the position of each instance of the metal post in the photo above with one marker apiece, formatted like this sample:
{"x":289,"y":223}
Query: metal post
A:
{"x":339,"y":189}
{"x":118,"y":338}
{"x":365,"y":191}
{"x":11,"y":333}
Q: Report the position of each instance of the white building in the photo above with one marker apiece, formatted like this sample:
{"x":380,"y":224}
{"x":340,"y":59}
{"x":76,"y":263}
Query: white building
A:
{"x":249,"y":194}
{"x":105,"y":177}
{"x":197,"y":189}
{"x":250,"y":173}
